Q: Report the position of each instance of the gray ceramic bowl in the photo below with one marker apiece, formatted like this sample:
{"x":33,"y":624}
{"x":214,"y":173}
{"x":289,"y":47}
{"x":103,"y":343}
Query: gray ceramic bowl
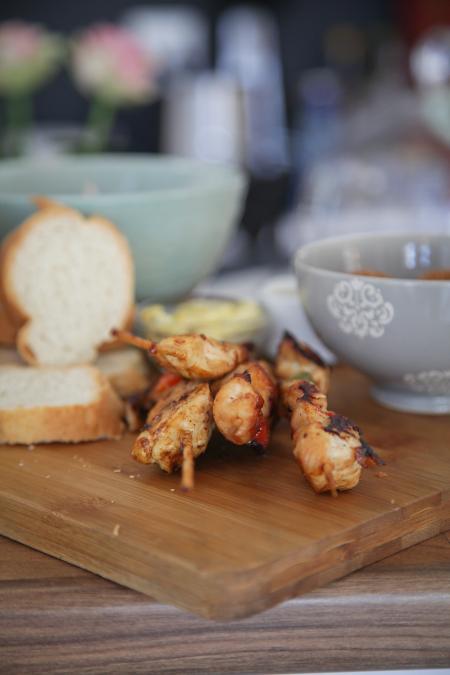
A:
{"x":177,"y":214}
{"x":396,"y":330}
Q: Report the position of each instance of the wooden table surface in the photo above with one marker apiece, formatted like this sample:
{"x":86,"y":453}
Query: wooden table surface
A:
{"x":56,"y":618}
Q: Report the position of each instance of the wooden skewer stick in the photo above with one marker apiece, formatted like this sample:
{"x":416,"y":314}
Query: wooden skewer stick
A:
{"x":130,"y":339}
{"x":187,"y":468}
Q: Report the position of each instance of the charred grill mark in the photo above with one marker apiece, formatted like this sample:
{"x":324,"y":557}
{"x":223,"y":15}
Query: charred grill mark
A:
{"x":144,"y":443}
{"x":258,"y":448}
{"x":304,"y":350}
{"x":309,"y":391}
{"x":246,"y":376}
{"x":366,"y":455}
{"x":182,"y":398}
{"x":339,"y":424}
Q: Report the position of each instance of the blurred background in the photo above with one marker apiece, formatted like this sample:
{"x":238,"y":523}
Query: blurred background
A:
{"x":339,"y":112}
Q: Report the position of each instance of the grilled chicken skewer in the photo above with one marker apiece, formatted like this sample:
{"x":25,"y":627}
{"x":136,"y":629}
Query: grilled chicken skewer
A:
{"x":295,"y":360}
{"x":194,"y":357}
{"x":177,"y":430}
{"x":138,"y":405}
{"x":243,"y":404}
{"x":328,"y":447}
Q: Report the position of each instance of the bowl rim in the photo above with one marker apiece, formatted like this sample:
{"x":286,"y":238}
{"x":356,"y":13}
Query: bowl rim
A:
{"x":300,"y":264}
{"x":212,"y":176}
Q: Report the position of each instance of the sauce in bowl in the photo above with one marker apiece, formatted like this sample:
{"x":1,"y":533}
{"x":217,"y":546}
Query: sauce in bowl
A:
{"x":219,"y":318}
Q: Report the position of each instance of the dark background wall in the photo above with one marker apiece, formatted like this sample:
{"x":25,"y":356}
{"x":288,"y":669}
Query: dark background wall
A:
{"x":302,"y":24}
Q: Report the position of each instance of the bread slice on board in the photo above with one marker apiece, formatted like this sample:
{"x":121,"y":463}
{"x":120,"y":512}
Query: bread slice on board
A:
{"x":66,"y":280}
{"x":8,"y":330}
{"x":47,"y":404}
{"x":127,"y":369}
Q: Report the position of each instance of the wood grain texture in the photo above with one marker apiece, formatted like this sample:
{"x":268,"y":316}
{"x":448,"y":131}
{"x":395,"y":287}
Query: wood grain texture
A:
{"x":252,"y":534}
{"x":56,"y":618}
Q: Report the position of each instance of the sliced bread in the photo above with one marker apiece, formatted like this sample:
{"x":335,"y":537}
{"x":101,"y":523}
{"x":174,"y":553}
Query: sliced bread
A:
{"x":70,"y":404}
{"x":67,"y":281}
{"x":8,"y":330}
{"x":127,"y":369}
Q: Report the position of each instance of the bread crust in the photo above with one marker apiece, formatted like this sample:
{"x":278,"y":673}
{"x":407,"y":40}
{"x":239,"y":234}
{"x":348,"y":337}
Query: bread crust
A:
{"x":100,"y":419}
{"x":8,"y":329}
{"x":12,"y":242}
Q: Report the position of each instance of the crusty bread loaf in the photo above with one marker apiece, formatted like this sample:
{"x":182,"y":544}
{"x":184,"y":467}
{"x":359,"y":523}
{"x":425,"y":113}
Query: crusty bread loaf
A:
{"x":46,"y":404}
{"x":8,"y":329}
{"x":66,"y":280}
{"x":127,"y":369}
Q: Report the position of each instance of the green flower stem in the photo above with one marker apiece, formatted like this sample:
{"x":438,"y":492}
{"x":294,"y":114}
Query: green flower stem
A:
{"x":18,"y":117}
{"x":99,"y":125}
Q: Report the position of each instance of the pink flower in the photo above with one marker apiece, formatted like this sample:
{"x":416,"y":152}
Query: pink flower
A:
{"x":28,"y":56}
{"x":107,"y":63}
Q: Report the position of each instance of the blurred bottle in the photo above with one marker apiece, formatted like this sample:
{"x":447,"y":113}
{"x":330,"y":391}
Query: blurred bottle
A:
{"x":203,"y":118}
{"x":248,"y":50}
{"x":318,"y":120}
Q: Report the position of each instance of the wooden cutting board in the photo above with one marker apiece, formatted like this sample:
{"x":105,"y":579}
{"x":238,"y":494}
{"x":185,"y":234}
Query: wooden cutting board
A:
{"x":252,"y":533}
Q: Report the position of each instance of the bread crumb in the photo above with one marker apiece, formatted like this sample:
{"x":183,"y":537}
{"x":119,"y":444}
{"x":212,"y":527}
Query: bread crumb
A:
{"x":31,"y":447}
{"x":20,"y":463}
{"x":172,"y":489}
{"x":392,"y":501}
{"x":131,"y":475}
{"x":48,"y":476}
{"x":116,"y":530}
{"x":117,"y":470}
{"x":381,"y":474}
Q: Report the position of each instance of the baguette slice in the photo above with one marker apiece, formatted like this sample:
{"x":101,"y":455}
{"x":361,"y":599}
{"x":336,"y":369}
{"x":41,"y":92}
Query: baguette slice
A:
{"x":8,"y":330}
{"x":127,"y":369}
{"x":70,"y":404}
{"x":66,"y":281}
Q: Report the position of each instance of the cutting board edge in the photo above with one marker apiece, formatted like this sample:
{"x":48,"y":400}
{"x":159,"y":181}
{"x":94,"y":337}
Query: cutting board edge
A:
{"x":246,"y":593}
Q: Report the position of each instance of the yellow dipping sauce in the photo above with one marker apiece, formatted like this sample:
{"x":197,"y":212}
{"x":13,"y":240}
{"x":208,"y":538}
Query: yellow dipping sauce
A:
{"x":234,"y":320}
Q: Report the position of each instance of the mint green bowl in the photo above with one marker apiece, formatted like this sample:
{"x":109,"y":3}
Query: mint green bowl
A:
{"x":177,"y":214}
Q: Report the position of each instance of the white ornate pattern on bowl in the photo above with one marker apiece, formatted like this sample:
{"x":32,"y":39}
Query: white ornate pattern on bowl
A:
{"x":435,"y":382}
{"x":360,"y":308}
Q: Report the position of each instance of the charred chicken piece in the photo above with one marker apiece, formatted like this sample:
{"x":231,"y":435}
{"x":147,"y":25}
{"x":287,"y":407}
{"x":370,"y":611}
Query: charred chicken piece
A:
{"x":328,"y":447}
{"x":244,"y":403}
{"x":177,"y":431}
{"x":295,"y":360}
{"x":194,"y":357}
{"x":327,"y":452}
